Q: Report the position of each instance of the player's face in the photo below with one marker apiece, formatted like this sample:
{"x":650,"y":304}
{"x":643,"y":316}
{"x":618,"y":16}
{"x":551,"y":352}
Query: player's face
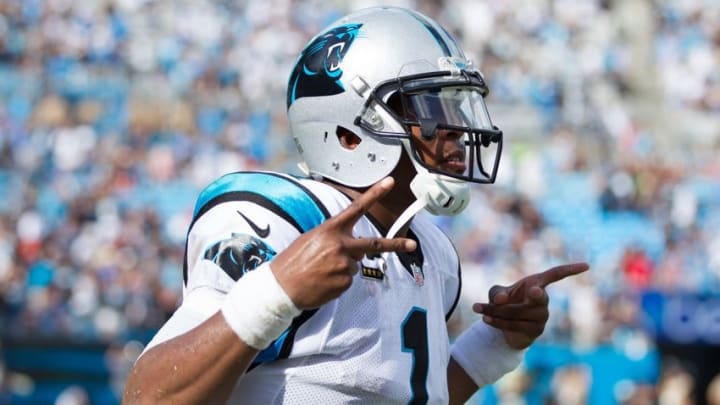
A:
{"x":444,"y":151}
{"x":441,"y":149}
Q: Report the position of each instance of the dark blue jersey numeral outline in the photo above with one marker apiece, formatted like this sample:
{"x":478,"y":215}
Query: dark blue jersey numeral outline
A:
{"x":415,"y":341}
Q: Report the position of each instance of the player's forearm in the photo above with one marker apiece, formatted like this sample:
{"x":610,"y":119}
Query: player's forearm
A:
{"x":460,"y":386}
{"x":201,"y":366}
{"x":480,"y":356}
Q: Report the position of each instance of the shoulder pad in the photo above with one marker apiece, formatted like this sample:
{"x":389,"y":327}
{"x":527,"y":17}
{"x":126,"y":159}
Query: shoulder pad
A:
{"x":284,"y":195}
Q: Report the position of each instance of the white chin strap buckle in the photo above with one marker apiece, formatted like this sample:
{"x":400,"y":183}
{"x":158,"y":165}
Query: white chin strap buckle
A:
{"x":442,"y":195}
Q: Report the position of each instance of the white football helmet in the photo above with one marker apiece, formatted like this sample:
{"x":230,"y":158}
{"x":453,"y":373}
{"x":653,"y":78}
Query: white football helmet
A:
{"x":377,"y":73}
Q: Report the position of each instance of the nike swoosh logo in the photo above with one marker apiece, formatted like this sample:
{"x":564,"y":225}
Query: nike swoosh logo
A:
{"x":261,"y":232}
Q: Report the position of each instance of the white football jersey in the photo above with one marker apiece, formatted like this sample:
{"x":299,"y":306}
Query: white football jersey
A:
{"x":384,"y":340}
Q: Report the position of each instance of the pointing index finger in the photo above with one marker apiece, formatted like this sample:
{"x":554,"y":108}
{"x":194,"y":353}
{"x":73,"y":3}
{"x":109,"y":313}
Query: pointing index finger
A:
{"x":359,"y":247}
{"x":362,"y":204}
{"x":560,"y":272}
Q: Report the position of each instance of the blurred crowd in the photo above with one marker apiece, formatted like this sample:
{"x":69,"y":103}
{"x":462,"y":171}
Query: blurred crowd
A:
{"x":114,"y":114}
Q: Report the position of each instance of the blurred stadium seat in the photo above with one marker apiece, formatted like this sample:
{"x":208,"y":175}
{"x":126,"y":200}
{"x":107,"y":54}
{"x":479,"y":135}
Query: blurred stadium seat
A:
{"x":114,"y":114}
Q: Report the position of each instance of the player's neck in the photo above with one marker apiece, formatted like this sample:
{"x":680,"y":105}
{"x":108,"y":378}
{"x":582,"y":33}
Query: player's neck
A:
{"x":386,"y":211}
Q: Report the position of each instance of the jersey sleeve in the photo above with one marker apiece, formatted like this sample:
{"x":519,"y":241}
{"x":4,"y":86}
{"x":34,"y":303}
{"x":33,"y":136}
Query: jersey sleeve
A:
{"x":240,"y":221}
{"x":244,"y":218}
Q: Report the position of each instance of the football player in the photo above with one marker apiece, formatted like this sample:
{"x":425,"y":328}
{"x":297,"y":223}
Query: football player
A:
{"x":335,"y":288}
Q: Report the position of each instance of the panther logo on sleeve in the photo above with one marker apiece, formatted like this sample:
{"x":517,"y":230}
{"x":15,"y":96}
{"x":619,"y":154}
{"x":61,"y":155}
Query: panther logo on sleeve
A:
{"x":239,"y":254}
{"x":318,"y":71}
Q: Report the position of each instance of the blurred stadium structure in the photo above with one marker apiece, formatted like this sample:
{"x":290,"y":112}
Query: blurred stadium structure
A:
{"x":115,"y":113}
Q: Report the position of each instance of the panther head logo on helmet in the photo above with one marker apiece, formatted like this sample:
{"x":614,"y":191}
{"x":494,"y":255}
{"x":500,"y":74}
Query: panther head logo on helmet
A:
{"x":318,"y":71}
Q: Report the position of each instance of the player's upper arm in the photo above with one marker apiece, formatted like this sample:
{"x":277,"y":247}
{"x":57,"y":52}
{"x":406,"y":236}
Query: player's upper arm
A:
{"x":241,"y":221}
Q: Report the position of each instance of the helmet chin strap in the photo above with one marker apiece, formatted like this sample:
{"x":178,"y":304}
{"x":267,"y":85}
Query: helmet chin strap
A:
{"x":443,"y":195}
{"x":405,"y":217}
{"x":440,"y":195}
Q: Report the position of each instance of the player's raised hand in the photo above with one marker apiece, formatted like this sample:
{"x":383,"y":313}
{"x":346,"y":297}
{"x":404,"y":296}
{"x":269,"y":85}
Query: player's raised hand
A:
{"x":319,"y":265}
{"x":521,"y":310}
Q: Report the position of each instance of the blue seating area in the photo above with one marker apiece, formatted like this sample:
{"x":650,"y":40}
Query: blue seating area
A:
{"x":572,"y":205}
{"x":115,"y":114}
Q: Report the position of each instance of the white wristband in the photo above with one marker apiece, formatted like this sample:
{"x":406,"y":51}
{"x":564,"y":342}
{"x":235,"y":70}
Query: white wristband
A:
{"x":484,"y":354}
{"x":257,"y":308}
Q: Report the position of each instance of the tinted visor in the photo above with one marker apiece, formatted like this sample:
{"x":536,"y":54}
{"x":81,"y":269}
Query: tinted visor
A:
{"x":454,"y":106}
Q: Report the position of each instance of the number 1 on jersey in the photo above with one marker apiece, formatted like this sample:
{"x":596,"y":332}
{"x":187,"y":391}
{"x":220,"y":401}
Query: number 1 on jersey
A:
{"x":415,"y":341}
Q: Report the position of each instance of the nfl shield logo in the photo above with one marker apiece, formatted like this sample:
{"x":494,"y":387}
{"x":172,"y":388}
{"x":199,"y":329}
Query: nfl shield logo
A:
{"x":418,"y":274}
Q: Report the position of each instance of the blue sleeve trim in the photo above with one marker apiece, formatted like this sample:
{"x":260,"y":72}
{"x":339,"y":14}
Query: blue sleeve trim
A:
{"x":290,"y":196}
{"x":272,"y":352}
{"x":282,"y":346}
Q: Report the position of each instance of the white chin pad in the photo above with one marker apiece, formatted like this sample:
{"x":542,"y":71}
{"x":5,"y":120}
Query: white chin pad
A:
{"x":443,"y":195}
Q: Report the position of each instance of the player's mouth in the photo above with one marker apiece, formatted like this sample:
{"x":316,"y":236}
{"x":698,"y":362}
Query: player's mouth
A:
{"x":454,"y":162}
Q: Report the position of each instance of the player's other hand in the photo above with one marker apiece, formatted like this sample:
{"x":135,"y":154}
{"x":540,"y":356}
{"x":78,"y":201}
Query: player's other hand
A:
{"x":320,"y":265}
{"x":521,"y":310}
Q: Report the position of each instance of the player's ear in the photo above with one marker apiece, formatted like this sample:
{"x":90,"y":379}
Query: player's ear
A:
{"x":347,"y":138}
